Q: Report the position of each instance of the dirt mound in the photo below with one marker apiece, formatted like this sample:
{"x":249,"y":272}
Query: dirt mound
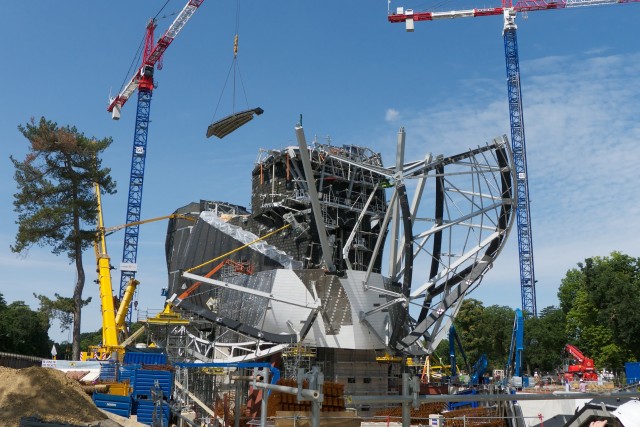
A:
{"x":46,"y":393}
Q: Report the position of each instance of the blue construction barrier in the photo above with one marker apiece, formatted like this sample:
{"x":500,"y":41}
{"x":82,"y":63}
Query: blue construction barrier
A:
{"x":108,"y":371}
{"x":146,"y":380}
{"x":119,"y":405}
{"x":456,"y":405}
{"x":145,"y":357}
{"x":147,"y":412}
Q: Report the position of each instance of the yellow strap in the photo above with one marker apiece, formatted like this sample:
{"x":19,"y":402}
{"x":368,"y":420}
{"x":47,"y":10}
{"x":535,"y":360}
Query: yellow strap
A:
{"x":237,"y":249}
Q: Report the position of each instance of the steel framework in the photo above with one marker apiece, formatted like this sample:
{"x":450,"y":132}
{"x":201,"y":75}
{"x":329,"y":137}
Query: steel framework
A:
{"x":446,"y":222}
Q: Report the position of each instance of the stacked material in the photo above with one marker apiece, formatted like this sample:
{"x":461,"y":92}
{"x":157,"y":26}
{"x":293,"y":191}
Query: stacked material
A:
{"x":333,"y":397}
{"x":418,"y":414}
{"x":278,"y":401}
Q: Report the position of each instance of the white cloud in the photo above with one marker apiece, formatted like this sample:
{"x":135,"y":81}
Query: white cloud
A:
{"x":392,"y":115}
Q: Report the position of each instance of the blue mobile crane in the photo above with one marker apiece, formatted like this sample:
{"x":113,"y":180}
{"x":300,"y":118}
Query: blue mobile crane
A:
{"x":513,"y":366}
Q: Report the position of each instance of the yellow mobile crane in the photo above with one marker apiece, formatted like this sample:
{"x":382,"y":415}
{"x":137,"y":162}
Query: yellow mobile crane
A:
{"x":113,"y":324}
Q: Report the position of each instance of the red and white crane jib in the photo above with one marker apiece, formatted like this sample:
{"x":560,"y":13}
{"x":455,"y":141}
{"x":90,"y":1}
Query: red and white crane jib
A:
{"x":176,"y":26}
{"x":409,"y":16}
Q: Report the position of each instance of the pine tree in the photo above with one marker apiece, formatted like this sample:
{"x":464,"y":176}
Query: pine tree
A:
{"x":56,"y":202}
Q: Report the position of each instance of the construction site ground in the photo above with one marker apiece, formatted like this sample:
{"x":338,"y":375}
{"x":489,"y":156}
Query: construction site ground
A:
{"x":49,"y":396}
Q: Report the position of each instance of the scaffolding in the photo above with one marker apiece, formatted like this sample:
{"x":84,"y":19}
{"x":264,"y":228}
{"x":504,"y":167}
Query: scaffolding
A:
{"x":297,"y":357}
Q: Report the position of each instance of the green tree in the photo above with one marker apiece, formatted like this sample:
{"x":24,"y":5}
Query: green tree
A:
{"x":485,"y":330}
{"x":440,"y":355}
{"x":600,"y":299}
{"x":570,"y":285}
{"x":4,"y":334}
{"x":613,"y":284}
{"x":545,"y":339}
{"x":497,"y":327}
{"x":470,"y":331}
{"x":88,"y":339}
{"x":55,"y":202}
{"x":62,"y":309}
{"x":22,"y":330}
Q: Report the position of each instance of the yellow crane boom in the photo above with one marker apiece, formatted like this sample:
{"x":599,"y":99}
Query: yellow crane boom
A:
{"x":112,"y":323}
{"x":109,"y":331}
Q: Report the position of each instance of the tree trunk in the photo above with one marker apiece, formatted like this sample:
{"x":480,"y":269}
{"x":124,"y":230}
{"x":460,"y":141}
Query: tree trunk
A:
{"x":77,"y":291}
{"x":77,"y":299}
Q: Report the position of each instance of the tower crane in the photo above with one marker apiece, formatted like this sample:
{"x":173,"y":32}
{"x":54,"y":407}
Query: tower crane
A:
{"x":142,"y":80}
{"x":516,"y":118}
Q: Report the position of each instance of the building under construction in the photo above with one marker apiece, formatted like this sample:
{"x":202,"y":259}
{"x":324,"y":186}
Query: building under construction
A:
{"x":339,"y":260}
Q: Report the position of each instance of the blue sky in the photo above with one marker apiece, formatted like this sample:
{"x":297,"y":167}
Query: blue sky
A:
{"x":356,"y":79}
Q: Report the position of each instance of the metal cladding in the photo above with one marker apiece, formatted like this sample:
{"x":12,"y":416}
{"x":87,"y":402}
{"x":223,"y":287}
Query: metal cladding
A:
{"x":312,"y":270}
{"x":224,"y":127}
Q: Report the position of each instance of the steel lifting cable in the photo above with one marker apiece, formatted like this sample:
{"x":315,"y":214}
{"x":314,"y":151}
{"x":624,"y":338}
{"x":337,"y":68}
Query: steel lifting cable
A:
{"x":235,"y":56}
{"x":134,"y":61}
{"x":223,"y":127}
{"x":161,"y":9}
{"x":237,"y":249}
{"x":235,"y":66}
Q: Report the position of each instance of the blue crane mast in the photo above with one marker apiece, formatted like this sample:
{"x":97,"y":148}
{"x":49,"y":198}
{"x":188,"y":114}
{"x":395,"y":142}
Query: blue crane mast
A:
{"x":518,"y":147}
{"x":143,"y":81}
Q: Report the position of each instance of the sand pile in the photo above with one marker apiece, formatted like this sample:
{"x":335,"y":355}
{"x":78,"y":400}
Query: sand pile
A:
{"x":46,"y":393}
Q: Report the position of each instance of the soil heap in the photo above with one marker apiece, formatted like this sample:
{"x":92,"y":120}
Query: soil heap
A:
{"x":44,"y":393}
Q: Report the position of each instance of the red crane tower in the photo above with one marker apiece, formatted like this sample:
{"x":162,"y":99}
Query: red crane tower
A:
{"x":508,"y":11}
{"x":143,"y":81}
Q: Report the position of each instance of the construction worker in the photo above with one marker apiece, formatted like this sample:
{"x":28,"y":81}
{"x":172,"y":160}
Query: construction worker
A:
{"x":583,"y":386}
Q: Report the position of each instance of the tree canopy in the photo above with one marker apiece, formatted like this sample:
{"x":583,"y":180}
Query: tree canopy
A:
{"x":56,"y":201}
{"x":544,"y":338}
{"x":60,"y":308}
{"x":600,"y":299}
{"x":485,"y":330}
{"x":23,"y":331}
{"x":55,"y":182}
